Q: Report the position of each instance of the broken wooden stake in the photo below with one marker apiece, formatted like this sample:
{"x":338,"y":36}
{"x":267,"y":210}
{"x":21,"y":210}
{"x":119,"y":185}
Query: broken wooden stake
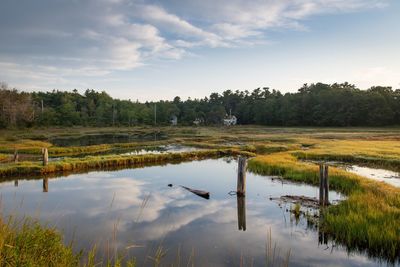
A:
{"x":200,"y":193}
{"x":321,"y":184}
{"x":15,"y":158}
{"x":45,"y":154}
{"x":241,"y":179}
{"x":326,"y":186}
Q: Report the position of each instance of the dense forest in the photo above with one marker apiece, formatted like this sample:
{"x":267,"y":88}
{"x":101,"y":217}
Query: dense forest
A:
{"x":312,"y":105}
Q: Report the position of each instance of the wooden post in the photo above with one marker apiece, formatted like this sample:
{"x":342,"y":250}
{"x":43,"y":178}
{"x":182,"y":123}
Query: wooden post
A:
{"x":241,"y":212}
{"x":321,"y":184}
{"x":45,"y":185}
{"x":45,"y":153}
{"x":326,"y":186}
{"x":16,"y":183}
{"x":15,"y":159}
{"x":241,"y":179}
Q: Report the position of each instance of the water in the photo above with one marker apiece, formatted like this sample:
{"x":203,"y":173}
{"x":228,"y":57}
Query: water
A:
{"x":174,"y":148}
{"x":383,"y":175}
{"x":94,"y":206}
{"x":97,"y":139}
{"x":162,"y":150}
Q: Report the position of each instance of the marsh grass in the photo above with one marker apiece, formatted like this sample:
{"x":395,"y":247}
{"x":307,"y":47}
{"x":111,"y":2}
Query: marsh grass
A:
{"x":368,"y":220}
{"x":108,"y":161}
{"x":377,"y":153}
{"x":26,"y":243}
{"x":4,"y":157}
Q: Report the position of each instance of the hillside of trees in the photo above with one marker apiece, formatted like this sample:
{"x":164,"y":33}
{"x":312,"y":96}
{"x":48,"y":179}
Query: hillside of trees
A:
{"x":312,"y":105}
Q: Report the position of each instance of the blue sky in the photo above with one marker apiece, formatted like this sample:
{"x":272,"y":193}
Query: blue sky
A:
{"x":150,"y":50}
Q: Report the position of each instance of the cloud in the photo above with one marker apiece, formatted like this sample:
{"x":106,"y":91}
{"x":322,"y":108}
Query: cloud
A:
{"x":67,"y":40}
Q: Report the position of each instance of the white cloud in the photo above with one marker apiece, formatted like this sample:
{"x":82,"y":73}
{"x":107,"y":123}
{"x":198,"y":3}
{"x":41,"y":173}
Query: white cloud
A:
{"x":95,"y":38}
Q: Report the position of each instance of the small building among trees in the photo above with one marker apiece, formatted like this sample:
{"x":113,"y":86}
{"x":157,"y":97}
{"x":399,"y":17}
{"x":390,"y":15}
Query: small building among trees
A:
{"x":230,"y":120}
{"x":174,"y":120}
{"x":198,"y":121}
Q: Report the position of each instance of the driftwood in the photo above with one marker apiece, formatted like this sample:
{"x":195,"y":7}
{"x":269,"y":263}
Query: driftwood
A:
{"x":200,"y":193}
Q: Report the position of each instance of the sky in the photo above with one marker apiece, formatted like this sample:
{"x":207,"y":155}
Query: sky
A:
{"x":152,"y":50}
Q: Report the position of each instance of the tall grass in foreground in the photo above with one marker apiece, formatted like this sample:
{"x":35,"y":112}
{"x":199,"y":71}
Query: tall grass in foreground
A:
{"x":368,"y":220}
{"x":27,"y":243}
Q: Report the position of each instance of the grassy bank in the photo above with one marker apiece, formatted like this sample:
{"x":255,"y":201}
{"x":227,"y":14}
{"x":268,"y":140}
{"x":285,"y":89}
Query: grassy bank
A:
{"x":27,"y":243}
{"x":378,"y":153}
{"x":368,"y":220}
{"x":109,"y":161}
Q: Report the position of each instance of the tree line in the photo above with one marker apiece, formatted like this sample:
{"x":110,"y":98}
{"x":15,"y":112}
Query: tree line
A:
{"x":316,"y":104}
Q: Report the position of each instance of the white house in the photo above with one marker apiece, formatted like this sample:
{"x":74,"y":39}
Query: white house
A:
{"x":230,"y":120}
{"x":174,"y":120}
{"x":198,"y":121}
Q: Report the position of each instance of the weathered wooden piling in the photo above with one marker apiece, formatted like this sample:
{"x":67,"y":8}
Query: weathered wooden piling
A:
{"x":241,"y":212}
{"x":16,"y":183}
{"x":241,"y":179}
{"x":15,"y":158}
{"x":323,"y":185}
{"x":326,"y":186}
{"x":45,"y":154}
{"x":45,"y":185}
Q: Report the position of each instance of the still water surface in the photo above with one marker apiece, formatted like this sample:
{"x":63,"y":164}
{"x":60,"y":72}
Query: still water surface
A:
{"x":377,"y":174}
{"x":146,"y":214}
